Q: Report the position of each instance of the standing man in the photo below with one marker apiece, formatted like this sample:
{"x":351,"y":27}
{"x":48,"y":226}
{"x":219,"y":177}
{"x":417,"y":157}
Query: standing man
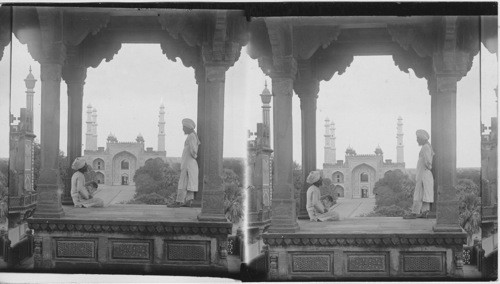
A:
{"x":424,"y":188}
{"x":188,"y":181}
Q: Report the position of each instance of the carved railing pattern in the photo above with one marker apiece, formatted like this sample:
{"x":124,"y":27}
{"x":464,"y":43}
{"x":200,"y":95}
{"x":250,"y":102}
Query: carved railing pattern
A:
{"x":372,"y":241}
{"x":23,"y":203}
{"x":156,"y":228}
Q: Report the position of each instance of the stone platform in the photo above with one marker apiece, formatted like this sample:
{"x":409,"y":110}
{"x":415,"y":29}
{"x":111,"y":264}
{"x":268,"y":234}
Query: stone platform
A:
{"x":365,"y":248}
{"x":128,"y":239}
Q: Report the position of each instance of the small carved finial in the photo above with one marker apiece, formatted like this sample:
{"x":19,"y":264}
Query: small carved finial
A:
{"x":30,"y":68}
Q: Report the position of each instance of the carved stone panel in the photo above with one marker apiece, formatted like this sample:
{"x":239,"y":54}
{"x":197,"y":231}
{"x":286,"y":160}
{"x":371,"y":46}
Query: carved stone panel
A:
{"x":423,"y":262}
{"x":311,"y":262}
{"x":187,"y":251}
{"x":75,"y":248}
{"x":137,"y":250}
{"x":376,"y":263}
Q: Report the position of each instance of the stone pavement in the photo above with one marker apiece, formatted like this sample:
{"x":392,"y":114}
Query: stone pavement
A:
{"x":115,"y":194}
{"x":349,"y":208}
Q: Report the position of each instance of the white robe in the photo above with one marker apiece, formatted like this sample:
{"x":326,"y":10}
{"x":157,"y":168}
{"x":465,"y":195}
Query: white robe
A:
{"x":189,"y":167}
{"x":424,"y":189}
{"x":313,"y":204}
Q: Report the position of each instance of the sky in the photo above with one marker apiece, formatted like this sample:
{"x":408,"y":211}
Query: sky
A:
{"x":364,"y":103}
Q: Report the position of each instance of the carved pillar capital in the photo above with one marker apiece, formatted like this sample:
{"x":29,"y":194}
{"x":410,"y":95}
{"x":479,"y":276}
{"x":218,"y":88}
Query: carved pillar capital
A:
{"x":215,"y":73}
{"x":50,"y":72}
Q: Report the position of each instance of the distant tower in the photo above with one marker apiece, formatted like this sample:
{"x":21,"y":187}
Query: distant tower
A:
{"x":161,"y":129}
{"x":89,"y":136}
{"x":94,"y":129}
{"x":329,"y":142}
{"x":332,"y":143}
{"x":400,"y":156}
{"x":30,"y":85}
{"x":266,"y":99}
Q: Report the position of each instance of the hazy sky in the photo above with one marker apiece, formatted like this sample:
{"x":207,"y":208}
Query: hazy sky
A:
{"x":364,"y":103}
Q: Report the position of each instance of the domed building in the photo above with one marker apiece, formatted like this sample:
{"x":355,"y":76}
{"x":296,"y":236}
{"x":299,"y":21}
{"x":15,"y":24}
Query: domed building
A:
{"x":116,"y":163}
{"x":356,"y":176}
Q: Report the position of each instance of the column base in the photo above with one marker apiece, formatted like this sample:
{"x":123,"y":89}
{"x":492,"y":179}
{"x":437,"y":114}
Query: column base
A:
{"x":446,"y":228}
{"x":303,"y":215}
{"x":196,"y":203}
{"x":431,"y":215}
{"x":212,"y":217}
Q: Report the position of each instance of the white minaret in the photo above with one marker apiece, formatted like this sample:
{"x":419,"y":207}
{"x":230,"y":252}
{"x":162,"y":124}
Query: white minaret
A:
{"x":332,"y":143}
{"x":90,"y":126}
{"x":30,"y":85}
{"x":400,"y":156}
{"x":266,"y":99}
{"x":94,"y":129}
{"x":161,"y":129}
{"x":329,"y":142}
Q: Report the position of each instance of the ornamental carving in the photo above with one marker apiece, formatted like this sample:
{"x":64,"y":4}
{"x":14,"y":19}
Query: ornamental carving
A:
{"x":177,"y":48}
{"x":96,"y":48}
{"x":328,"y":61}
{"x":360,"y":262}
{"x":422,"y":262}
{"x":273,"y":266}
{"x":147,"y":229}
{"x":223,"y":249}
{"x":187,"y":251}
{"x":421,"y":38}
{"x":137,"y":250}
{"x":37,"y":252}
{"x":310,"y":38}
{"x":78,"y":25}
{"x":75,"y":249}
{"x":312,"y":263}
{"x":377,"y":241}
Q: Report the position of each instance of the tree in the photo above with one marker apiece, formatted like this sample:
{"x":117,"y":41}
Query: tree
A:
{"x":157,"y":177}
{"x":469,"y":208}
{"x":393,"y":194}
{"x":233,"y":197}
{"x":236,"y":165}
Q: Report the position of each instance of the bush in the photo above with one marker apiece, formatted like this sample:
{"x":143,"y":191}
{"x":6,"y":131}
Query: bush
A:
{"x":393,"y":194}
{"x":387,"y":211}
{"x":151,"y":199}
{"x":156,"y":176}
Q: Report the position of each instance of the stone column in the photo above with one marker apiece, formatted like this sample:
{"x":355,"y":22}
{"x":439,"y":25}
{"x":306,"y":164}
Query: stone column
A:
{"x":49,"y":198}
{"x":213,"y":135}
{"x":284,"y":217}
{"x":308,"y":100}
{"x":446,"y":152}
{"x":75,"y":80}
{"x":200,"y":128}
{"x":435,"y":139}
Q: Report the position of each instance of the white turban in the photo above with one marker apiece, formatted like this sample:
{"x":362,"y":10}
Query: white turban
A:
{"x":423,"y":134}
{"x":313,"y":177}
{"x":189,"y":123}
{"x":78,"y":163}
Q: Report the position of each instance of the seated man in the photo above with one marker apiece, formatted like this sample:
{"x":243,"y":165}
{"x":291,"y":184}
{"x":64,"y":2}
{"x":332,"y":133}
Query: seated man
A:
{"x":87,"y":196}
{"x":330,"y":215}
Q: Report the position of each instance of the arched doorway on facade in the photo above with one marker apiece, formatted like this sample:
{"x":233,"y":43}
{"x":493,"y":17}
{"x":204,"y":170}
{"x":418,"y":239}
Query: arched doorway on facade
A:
{"x":99,"y":177}
{"x":339,"y":190}
{"x":124,"y":167}
{"x":124,"y":179}
{"x":362,"y":181}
